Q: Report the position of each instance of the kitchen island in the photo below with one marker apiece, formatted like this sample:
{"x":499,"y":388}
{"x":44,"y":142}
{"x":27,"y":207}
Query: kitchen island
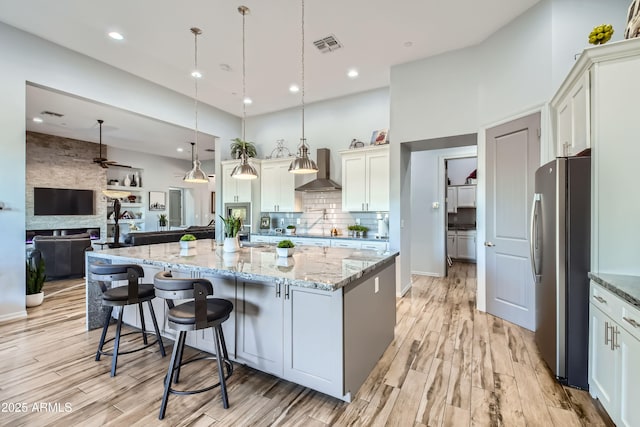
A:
{"x":321,"y":318}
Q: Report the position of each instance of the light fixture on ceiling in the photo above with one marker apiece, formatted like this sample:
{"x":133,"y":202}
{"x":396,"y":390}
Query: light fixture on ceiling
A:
{"x":38,"y":120}
{"x":302,"y":164}
{"x":244,"y":170}
{"x":352,"y":73}
{"x":116,"y":35}
{"x":294,"y":88}
{"x":196,"y":175}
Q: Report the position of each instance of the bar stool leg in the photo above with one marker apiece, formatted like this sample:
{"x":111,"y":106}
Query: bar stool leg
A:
{"x":223,"y":383}
{"x":116,"y":343}
{"x":224,"y":351}
{"x":172,"y":366}
{"x":155,"y":326}
{"x":144,"y":327}
{"x":176,"y":375}
{"x":107,"y":320}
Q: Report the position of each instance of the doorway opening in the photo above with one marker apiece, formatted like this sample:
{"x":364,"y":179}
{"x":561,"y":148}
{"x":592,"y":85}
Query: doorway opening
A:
{"x":176,"y":207}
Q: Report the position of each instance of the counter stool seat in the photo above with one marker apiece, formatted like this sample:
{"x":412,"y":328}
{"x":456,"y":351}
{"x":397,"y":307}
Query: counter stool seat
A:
{"x":121,"y":296}
{"x":198,"y":313}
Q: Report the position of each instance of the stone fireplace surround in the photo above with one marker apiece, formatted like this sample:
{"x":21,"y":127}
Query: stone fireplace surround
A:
{"x":94,"y":232}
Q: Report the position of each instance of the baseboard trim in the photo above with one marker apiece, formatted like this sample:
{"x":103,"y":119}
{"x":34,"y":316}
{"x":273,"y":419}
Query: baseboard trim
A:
{"x":13,"y":316}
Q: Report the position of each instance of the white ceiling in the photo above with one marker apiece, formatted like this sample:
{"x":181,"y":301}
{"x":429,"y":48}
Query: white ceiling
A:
{"x":158,"y":45}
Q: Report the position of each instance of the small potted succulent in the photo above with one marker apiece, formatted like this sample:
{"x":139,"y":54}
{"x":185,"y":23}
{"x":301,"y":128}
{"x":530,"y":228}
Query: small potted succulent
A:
{"x":358,"y":230}
{"x":162,"y":220}
{"x":290,"y":230}
{"x":34,"y":282}
{"x":285,"y":248}
{"x":188,"y":241}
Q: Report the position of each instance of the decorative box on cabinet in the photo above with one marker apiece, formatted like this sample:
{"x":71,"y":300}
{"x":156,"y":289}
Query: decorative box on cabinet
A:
{"x":365,"y":179}
{"x":277,"y":187}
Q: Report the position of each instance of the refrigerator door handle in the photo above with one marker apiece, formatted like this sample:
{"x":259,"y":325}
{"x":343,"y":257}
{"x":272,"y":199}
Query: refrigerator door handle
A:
{"x":535,"y":250}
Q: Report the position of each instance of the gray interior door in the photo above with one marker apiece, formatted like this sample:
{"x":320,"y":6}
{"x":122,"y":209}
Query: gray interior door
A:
{"x":513,"y":155}
{"x":175,"y":207}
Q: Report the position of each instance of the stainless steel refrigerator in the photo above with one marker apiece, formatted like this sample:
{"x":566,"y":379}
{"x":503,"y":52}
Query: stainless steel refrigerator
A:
{"x":560,"y":257}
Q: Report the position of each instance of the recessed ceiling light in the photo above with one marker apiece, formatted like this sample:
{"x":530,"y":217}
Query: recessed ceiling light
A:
{"x":294,"y":88}
{"x":116,"y":35}
{"x":225,"y":67}
{"x":248,"y":100}
{"x":179,"y":149}
{"x":38,"y":120}
{"x":353,"y":73}
{"x":408,"y":44}
{"x":197,"y":74}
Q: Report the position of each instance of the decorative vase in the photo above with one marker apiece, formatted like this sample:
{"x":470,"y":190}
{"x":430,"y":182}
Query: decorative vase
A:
{"x":34,"y":300}
{"x":187,"y":244}
{"x":289,"y":231}
{"x":127,"y":181}
{"x":231,"y":244}
{"x":284,"y":252}
{"x":230,"y":259}
{"x":134,"y":180}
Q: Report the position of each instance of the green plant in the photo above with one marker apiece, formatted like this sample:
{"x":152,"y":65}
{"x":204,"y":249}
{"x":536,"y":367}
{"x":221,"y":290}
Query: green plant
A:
{"x":361,"y":228}
{"x":162,"y":219}
{"x":231,"y":225}
{"x":286,"y":244}
{"x":601,"y":34}
{"x":188,"y":238}
{"x":35,"y":277}
{"x":291,"y":227}
{"x":239,"y":146}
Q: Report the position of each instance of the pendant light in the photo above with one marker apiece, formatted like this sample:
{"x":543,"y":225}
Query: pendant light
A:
{"x":196,"y":175}
{"x":244,"y":170}
{"x":302,"y":164}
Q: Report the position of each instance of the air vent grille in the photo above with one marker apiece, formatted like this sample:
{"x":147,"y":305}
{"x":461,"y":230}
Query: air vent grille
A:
{"x":51,"y":113}
{"x":328,"y":44}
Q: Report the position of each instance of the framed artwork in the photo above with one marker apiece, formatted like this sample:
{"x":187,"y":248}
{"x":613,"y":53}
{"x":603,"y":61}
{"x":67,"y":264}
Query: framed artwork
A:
{"x":633,"y":20}
{"x":379,"y":137}
{"x":157,"y":201}
{"x":213,"y":202}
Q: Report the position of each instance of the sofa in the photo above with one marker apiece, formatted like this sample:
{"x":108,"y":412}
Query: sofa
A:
{"x":154,"y":237}
{"x":64,"y":256}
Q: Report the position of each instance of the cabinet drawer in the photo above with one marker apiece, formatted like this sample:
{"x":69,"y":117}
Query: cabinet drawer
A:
{"x":606,"y":301}
{"x":630,"y":319}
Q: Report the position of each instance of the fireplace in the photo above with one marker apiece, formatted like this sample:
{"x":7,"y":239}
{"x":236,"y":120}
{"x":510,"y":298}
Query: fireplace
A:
{"x":94,"y":232}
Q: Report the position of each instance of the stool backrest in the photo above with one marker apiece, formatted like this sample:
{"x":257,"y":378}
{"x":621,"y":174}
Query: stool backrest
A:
{"x":111,"y":272}
{"x":173,"y":288}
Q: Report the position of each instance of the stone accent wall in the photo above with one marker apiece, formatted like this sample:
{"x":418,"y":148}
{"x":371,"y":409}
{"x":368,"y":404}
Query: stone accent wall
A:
{"x":57,"y":162}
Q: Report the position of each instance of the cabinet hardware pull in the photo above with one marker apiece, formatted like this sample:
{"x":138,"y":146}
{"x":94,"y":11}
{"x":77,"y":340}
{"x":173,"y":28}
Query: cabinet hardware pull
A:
{"x":606,"y":333}
{"x":286,"y":291}
{"x":599,"y":299}
{"x":278,"y":291}
{"x":632,"y":322}
{"x":614,"y":337}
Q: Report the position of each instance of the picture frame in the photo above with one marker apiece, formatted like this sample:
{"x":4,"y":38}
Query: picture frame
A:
{"x":632,"y":29}
{"x":380,"y":137}
{"x":157,"y":201}
{"x":213,"y":202}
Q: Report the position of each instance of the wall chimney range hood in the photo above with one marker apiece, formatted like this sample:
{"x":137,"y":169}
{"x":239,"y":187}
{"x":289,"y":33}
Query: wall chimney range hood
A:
{"x":322,"y":182}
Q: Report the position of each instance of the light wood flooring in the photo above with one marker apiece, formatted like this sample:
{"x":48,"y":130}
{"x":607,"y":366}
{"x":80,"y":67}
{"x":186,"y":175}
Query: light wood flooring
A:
{"x":449,"y":365}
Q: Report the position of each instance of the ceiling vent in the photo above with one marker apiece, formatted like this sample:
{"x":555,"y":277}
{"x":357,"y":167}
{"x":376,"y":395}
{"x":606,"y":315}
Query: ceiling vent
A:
{"x":51,"y":113}
{"x":327,"y":44}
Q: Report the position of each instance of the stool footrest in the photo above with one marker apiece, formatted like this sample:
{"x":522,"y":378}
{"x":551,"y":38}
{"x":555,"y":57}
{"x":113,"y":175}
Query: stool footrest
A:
{"x":120,"y":353}
{"x":228,"y":363}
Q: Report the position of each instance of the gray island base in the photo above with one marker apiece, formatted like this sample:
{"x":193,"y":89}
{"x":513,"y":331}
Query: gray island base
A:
{"x":321,"y":318}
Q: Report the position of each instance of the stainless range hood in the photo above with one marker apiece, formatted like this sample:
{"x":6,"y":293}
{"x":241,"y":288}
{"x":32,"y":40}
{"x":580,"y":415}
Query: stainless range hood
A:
{"x":322,"y":182}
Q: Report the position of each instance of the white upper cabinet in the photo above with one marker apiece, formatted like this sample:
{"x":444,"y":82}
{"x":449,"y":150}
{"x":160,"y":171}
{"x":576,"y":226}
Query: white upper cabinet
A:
{"x":572,"y":117}
{"x":365,"y":179}
{"x":234,"y":190}
{"x":452,"y":199}
{"x":466,"y":196}
{"x":277,"y":187}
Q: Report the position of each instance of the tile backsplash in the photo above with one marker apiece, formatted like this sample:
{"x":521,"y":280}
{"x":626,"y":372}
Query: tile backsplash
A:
{"x":314,"y":221}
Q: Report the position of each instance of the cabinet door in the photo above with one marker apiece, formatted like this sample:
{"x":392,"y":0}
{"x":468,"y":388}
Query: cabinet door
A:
{"x":377,"y":181}
{"x":313,"y":349}
{"x":229,"y":192}
{"x":288,"y":200}
{"x":603,"y":366}
{"x":452,"y":199}
{"x":269,"y":187}
{"x":563,"y":128}
{"x":467,"y":196}
{"x":452,"y":250}
{"x":259,"y":326}
{"x":466,"y":245}
{"x":353,"y":182}
{"x":243,"y":190}
{"x":580,"y":119}
{"x":629,"y":375}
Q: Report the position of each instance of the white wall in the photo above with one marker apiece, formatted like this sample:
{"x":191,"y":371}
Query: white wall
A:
{"x":463,"y":91}
{"x":428,"y":228}
{"x":459,"y":169}
{"x":29,"y":58}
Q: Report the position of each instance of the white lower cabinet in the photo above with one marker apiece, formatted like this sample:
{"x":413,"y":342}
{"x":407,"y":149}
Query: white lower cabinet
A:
{"x":614,"y":351}
{"x":461,"y":244}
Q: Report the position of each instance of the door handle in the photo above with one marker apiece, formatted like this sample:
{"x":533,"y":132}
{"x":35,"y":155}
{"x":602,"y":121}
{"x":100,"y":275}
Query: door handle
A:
{"x":533,"y":240}
{"x":489,"y":244}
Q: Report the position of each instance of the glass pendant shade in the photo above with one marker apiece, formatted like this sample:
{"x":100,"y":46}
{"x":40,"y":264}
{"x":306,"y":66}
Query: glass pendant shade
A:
{"x":196,"y":175}
{"x":302,"y":164}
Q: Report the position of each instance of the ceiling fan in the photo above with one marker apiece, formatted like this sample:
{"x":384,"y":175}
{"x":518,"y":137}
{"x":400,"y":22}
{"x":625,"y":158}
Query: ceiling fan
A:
{"x":103,"y":161}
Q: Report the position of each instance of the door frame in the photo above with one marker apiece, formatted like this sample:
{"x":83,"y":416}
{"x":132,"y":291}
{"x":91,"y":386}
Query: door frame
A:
{"x":547,"y":152}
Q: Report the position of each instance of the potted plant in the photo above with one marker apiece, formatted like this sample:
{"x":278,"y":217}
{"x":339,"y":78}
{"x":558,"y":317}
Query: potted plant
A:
{"x":232,"y":226}
{"x":291,"y":229}
{"x":34,"y":281}
{"x":285,"y":248}
{"x":162,"y":220}
{"x":357,"y":230}
{"x":188,"y":241}
{"x":239,"y":146}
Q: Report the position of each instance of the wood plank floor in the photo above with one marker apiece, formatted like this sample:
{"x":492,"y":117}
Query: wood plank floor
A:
{"x":449,"y":365}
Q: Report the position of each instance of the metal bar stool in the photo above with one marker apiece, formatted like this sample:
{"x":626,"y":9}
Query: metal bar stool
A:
{"x":121,"y":296}
{"x":199,"y":313}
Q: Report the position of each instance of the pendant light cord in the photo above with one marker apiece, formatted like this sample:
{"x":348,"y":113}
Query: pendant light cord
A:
{"x":196,"y":32}
{"x":303,"y":139}
{"x":244,"y":77}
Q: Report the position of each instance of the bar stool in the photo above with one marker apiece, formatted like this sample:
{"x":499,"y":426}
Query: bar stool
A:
{"x":199,"y":313}
{"x":121,"y":296}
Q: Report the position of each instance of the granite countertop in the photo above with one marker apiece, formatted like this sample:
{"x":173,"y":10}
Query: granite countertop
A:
{"x":626,"y":287}
{"x":370,"y":236}
{"x":311,"y":267}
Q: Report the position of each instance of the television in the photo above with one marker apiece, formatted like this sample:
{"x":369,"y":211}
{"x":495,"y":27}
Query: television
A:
{"x":62,"y":201}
